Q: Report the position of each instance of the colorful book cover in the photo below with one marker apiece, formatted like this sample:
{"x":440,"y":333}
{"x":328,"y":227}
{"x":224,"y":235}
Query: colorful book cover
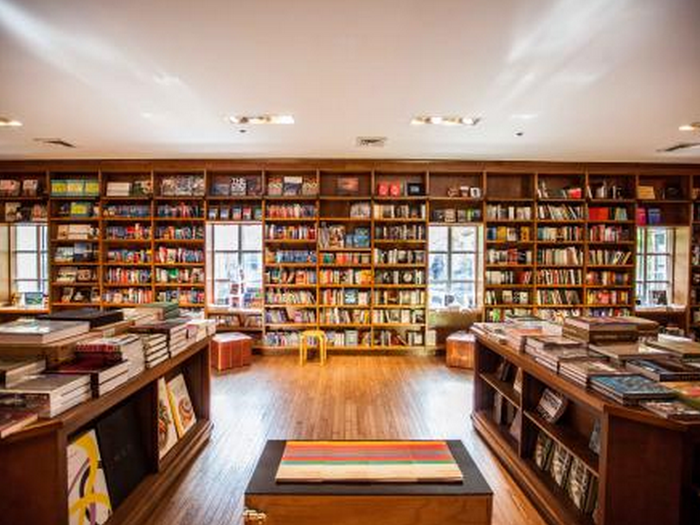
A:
{"x":88,"y":498}
{"x":75,"y":187}
{"x":167,"y":433}
{"x":59,"y":188}
{"x":91,"y":187}
{"x":181,"y":405}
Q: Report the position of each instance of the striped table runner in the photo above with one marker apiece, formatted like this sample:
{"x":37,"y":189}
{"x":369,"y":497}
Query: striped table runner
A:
{"x":368,"y":462}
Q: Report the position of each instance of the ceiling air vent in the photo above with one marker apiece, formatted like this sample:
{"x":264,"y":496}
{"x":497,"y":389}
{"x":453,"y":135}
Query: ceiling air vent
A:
{"x":55,"y":142}
{"x":682,"y":146}
{"x":371,"y":142}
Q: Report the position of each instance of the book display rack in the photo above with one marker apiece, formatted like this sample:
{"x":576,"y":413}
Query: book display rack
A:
{"x":131,"y":416}
{"x":599,"y":462}
{"x":346,"y":244}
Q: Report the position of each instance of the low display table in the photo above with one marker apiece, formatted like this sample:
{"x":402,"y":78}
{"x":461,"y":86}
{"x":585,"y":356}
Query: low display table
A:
{"x":270,"y":502}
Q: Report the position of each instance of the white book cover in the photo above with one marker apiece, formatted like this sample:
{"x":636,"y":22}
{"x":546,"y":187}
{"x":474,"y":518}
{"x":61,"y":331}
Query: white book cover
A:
{"x":88,"y":497}
{"x":181,"y":405}
{"x":167,"y":433}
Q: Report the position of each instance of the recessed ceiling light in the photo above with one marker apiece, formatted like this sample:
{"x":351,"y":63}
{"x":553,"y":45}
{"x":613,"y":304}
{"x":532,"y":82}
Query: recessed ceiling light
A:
{"x":261,"y":119}
{"x":693,"y":126}
{"x":9,"y":123}
{"x":422,"y":120}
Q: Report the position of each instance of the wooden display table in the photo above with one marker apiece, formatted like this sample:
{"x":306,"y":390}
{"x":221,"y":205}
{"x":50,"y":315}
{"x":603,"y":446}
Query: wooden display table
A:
{"x":270,"y":503}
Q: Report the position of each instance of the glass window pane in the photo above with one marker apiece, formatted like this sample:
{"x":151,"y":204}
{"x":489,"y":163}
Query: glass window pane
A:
{"x":28,"y":286}
{"x":225,"y":237}
{"x":464,"y":294}
{"x":226,"y":266}
{"x":437,"y":294}
{"x":26,"y":238}
{"x":438,"y":266}
{"x":657,"y":240}
{"x":26,"y":266}
{"x":658,"y":268}
{"x":640,"y":268}
{"x":251,"y":237}
{"x":252,"y":267}
{"x":462,"y":267}
{"x":221,"y":292}
{"x":464,"y":238}
{"x":438,"y":237}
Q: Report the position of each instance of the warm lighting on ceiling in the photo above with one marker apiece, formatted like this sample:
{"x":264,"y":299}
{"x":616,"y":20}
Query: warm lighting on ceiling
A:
{"x":436,"y":120}
{"x":243,"y":120}
{"x":9,"y":123}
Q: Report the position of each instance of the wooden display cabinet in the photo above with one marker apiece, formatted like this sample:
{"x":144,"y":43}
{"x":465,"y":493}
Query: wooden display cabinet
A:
{"x":647,"y":470}
{"x":33,"y":462}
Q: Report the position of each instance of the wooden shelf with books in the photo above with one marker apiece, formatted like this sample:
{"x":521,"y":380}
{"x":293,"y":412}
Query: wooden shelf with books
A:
{"x":130,"y":414}
{"x":580,"y":457}
{"x":693,"y":314}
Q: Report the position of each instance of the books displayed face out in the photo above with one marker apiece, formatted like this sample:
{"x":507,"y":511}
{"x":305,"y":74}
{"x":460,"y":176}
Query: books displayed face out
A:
{"x":630,"y":389}
{"x":88,"y":497}
{"x":552,"y":405}
{"x":167,"y":433}
{"x":181,"y":405}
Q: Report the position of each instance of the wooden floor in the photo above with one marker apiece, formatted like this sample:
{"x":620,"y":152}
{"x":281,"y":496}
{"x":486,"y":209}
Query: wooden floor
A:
{"x":352,"y":397}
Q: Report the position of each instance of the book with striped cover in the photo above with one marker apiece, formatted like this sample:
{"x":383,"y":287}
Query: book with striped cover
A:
{"x":368,"y":461}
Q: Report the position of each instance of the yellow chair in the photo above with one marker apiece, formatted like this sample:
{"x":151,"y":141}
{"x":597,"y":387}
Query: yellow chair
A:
{"x":320,"y":337}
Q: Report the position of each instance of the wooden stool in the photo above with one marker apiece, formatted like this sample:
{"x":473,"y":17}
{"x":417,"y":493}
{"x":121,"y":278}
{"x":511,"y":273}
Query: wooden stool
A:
{"x":320,"y":336}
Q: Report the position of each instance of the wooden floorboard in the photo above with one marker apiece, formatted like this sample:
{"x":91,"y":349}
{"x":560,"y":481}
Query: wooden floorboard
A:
{"x":352,"y":397}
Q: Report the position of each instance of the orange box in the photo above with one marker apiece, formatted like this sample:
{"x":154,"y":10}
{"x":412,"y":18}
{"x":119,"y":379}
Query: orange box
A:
{"x":231,"y":350}
{"x":460,"y":350}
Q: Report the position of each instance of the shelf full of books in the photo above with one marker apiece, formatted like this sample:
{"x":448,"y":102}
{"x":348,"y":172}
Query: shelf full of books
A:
{"x":105,"y":382}
{"x":694,"y":279}
{"x":574,"y":412}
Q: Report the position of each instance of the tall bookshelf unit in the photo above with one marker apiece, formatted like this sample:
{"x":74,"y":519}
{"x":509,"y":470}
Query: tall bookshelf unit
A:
{"x":559,"y":238}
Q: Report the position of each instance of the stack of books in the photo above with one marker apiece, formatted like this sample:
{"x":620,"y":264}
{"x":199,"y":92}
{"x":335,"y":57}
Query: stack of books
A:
{"x":551,"y":351}
{"x":581,"y":371}
{"x":688,"y":391}
{"x":664,"y":369}
{"x":49,"y":394}
{"x":631,"y":389}
{"x":163,"y":310}
{"x":199,"y":329}
{"x":155,"y":349}
{"x":677,"y":410}
{"x":600,"y":329}
{"x":680,"y":347}
{"x":95,"y":317}
{"x":174,"y":329}
{"x":111,"y":350}
{"x":104,"y":376}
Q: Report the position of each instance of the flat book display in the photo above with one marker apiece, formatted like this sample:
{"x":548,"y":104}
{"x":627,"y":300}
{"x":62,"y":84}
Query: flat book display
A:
{"x":368,"y":462}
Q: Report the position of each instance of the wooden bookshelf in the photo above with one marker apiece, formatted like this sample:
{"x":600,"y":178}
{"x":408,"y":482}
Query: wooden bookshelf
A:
{"x":49,"y":440}
{"x":693,"y":314}
{"x":646,"y":467}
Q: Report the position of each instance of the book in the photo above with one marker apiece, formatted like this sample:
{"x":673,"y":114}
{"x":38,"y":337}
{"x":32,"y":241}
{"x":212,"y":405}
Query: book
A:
{"x":561,"y":464}
{"x":14,"y":420}
{"x":664,"y":369}
{"x":581,"y":371}
{"x":551,"y":405}
{"x":543,"y":451}
{"x":679,"y":347}
{"x":88,"y":496}
{"x":348,"y":185}
{"x":167,"y":433}
{"x":630,"y":389}
{"x":38,"y":332}
{"x":181,"y":405}
{"x":594,"y":440}
{"x":621,"y":352}
{"x":123,"y":453}
{"x":14,"y":370}
{"x":675,"y":409}
{"x":687,"y":391}
{"x":582,"y":486}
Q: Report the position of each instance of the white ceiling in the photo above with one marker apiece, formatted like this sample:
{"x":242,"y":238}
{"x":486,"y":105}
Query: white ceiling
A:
{"x":582,"y":79}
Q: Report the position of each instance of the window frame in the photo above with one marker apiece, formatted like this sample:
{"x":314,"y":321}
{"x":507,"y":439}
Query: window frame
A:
{"x":41,"y":253}
{"x":476,"y":254}
{"x":644,"y":256}
{"x":239,"y":252}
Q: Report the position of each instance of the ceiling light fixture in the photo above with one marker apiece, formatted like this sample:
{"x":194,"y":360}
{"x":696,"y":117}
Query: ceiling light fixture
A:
{"x":422,"y":120}
{"x":693,"y":126}
{"x":9,"y":123}
{"x":243,"y":120}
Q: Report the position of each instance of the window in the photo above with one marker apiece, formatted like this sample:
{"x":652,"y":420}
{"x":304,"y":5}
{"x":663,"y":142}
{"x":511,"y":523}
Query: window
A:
{"x":29,"y":254}
{"x":655,"y":279}
{"x":453,"y":265}
{"x":234,"y":261}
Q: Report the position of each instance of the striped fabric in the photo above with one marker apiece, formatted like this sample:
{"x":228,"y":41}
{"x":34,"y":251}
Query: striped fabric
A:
{"x":368,"y":461}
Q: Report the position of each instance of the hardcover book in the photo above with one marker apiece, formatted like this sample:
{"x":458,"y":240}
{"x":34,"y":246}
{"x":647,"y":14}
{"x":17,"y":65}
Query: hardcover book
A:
{"x":628,"y":389}
{"x":167,"y":433}
{"x":561,"y":464}
{"x":552,"y":405}
{"x":181,"y":405}
{"x":13,"y":420}
{"x":673,"y":410}
{"x":88,"y":496}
